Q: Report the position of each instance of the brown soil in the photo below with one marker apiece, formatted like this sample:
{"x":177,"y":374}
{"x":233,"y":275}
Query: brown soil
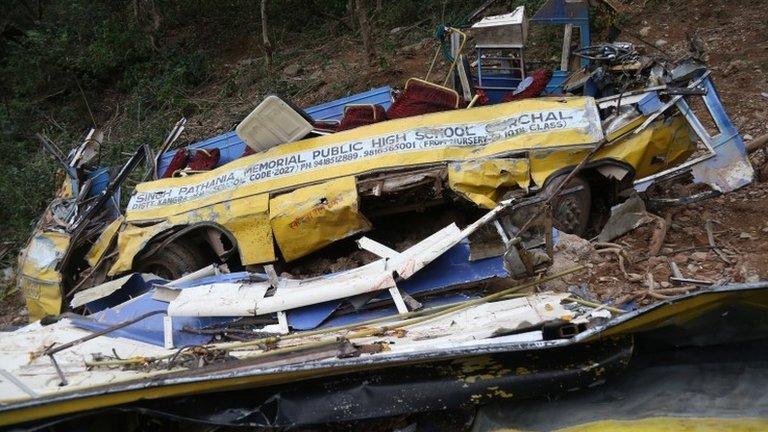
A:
{"x":737,"y":53}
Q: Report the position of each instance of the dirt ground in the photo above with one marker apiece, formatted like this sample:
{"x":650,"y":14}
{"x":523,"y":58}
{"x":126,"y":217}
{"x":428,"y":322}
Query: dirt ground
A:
{"x":734,"y":40}
{"x":737,"y":53}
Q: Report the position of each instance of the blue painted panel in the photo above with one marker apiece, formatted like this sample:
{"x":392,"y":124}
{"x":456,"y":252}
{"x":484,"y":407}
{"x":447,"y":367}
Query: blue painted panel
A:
{"x":150,"y":330}
{"x":728,"y":146}
{"x":555,"y":84}
{"x":334,"y":110}
{"x":232,"y":147}
{"x":496,"y":86}
{"x":451,"y":269}
{"x":649,"y":104}
{"x":100,"y":181}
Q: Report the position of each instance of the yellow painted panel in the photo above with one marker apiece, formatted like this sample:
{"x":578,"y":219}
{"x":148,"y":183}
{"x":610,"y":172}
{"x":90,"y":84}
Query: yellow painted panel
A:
{"x":309,"y":218}
{"x":130,"y":241}
{"x":38,"y":279}
{"x":246,"y":219}
{"x":674,"y":424}
{"x":249,"y":223}
{"x":484,"y":181}
{"x":477,"y":133}
{"x":102,"y":243}
{"x":663,"y":144}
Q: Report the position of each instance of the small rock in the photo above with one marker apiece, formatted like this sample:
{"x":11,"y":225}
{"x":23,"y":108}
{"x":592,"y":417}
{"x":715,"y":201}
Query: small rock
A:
{"x":645,"y":31}
{"x":745,"y":236}
{"x":665,"y":284}
{"x":292,"y":70}
{"x":692,"y":267}
{"x":248,"y":61}
{"x":700,"y":256}
{"x":23,"y":312}
{"x":660,"y":43}
{"x":765,"y":95}
{"x":765,"y":230}
{"x":748,"y":137}
{"x":666,"y":250}
{"x":735,"y":66}
{"x":680,"y":258}
{"x":752,"y":278}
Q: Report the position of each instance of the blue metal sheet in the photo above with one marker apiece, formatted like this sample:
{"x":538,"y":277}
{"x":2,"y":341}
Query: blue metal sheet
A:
{"x":496,"y":86}
{"x":555,"y":84}
{"x":150,"y":330}
{"x":451,"y":269}
{"x":559,"y":12}
{"x":649,"y":104}
{"x":334,"y":110}
{"x":232,"y":147}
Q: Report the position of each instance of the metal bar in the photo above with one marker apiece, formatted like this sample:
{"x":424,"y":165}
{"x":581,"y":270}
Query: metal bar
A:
{"x":684,"y":281}
{"x":78,"y":227}
{"x":59,"y":372}
{"x":669,"y":104}
{"x":57,"y":154}
{"x":53,"y":350}
{"x":23,"y":387}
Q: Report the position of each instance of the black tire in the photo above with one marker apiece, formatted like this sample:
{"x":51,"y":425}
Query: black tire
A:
{"x":571,"y":211}
{"x":173,"y":261}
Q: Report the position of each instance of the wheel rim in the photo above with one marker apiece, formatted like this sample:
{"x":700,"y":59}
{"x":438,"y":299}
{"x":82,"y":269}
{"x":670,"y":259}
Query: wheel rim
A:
{"x":569,"y":215}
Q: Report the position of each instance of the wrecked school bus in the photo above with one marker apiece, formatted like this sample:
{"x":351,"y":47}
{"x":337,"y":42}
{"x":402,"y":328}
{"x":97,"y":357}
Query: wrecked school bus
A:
{"x":298,"y":197}
{"x":289,"y":182}
{"x":369,"y":256}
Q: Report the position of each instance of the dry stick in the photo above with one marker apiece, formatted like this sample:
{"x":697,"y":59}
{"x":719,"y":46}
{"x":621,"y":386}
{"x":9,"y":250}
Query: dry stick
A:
{"x":651,"y":291}
{"x":416,"y":317}
{"x":711,"y":241}
{"x":659,"y":233}
{"x":594,"y":304}
{"x":621,"y":255}
{"x":757,"y":143}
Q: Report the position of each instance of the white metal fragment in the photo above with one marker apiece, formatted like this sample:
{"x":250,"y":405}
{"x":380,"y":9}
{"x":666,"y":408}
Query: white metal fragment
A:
{"x":246,"y":299}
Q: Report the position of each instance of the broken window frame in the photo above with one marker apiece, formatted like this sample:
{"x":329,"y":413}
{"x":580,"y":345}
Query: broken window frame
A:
{"x":712,"y":143}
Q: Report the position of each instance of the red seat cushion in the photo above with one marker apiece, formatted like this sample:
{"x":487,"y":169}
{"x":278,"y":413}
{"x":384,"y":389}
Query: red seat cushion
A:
{"x":178,"y":162}
{"x":204,"y":159}
{"x":361,"y":115}
{"x":540,"y":79}
{"x":325,"y":126}
{"x":421,"y":97}
{"x":248,"y":151}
